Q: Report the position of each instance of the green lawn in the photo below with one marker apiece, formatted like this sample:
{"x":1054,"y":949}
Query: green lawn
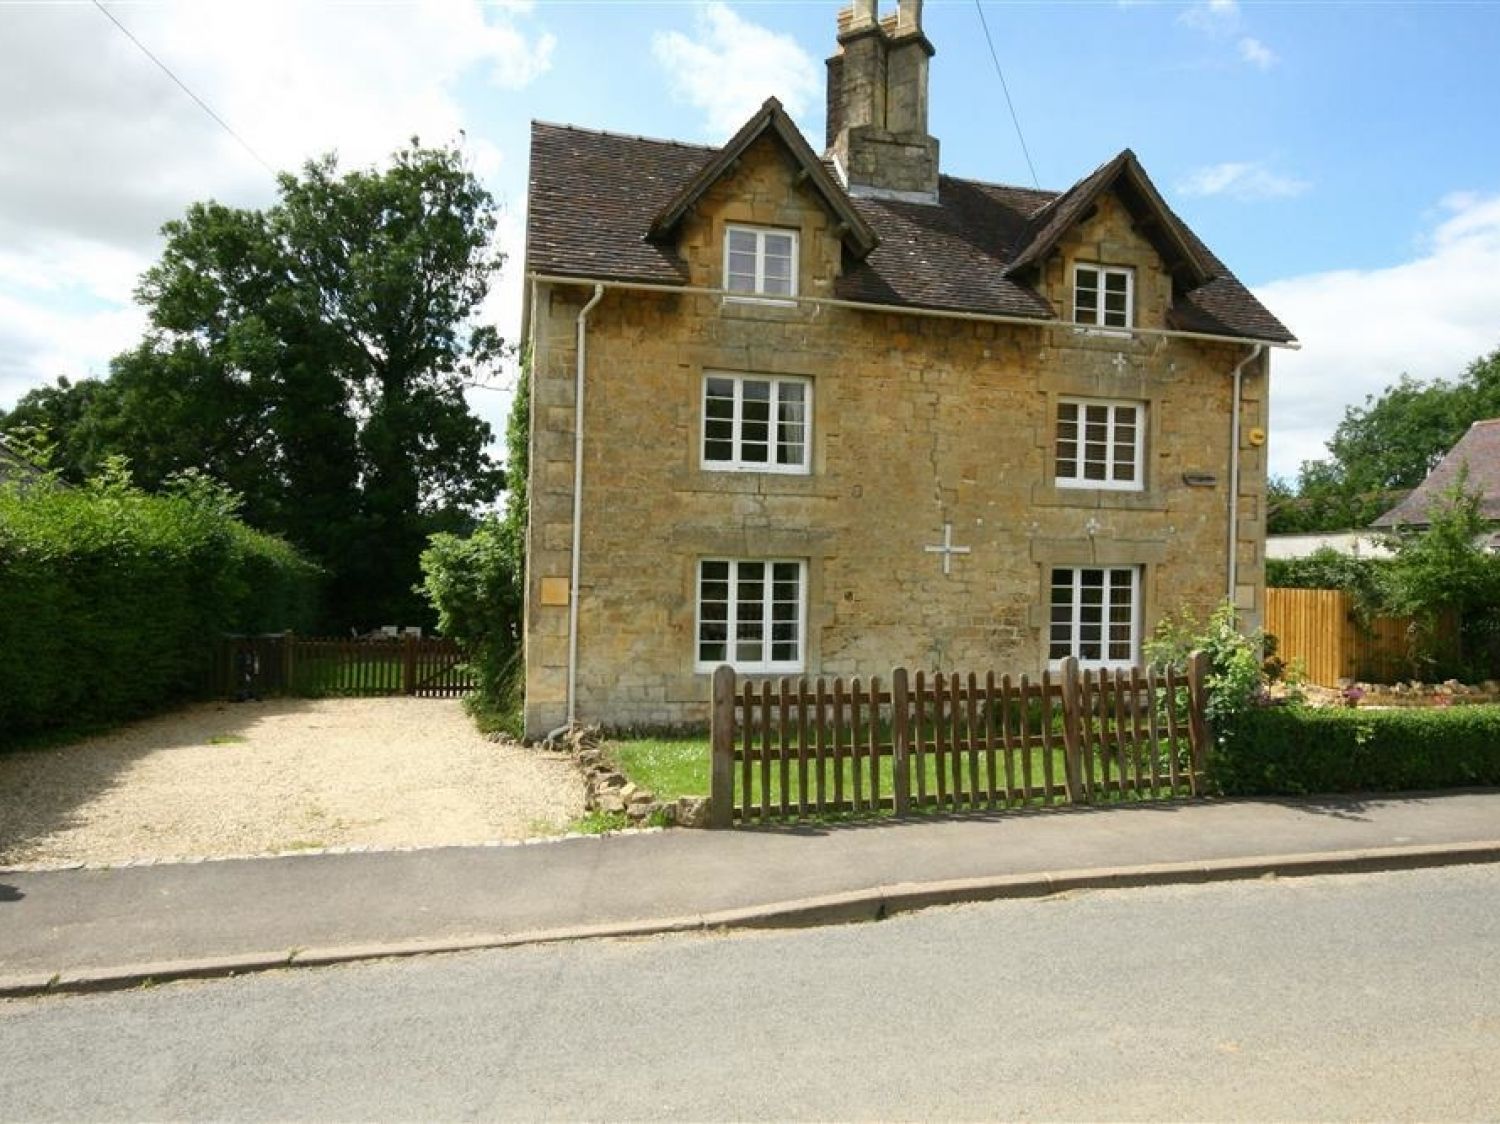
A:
{"x":333,"y":676}
{"x":371,"y":675}
{"x":673,"y":767}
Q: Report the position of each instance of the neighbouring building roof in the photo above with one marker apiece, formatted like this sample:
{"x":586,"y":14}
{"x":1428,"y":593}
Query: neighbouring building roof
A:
{"x":595,"y":199}
{"x":13,"y":466}
{"x":1479,"y":449}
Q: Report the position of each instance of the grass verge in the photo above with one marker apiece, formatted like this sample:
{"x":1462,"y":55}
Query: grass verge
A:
{"x":673,"y":767}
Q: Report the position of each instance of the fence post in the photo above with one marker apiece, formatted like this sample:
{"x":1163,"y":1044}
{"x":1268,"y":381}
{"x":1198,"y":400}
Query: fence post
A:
{"x":900,"y":742}
{"x":289,"y":663}
{"x":721,"y":738}
{"x":1198,"y":727}
{"x":1072,"y":729}
{"x":409,"y":666}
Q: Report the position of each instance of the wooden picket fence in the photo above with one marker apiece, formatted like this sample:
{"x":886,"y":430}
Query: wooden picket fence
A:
{"x":788,"y":749}
{"x":425,"y":667}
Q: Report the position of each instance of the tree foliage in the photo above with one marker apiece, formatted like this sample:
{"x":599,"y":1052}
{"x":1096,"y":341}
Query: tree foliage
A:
{"x":1384,"y":448}
{"x":111,"y":600}
{"x":477,"y":583}
{"x":1325,"y":568}
{"x":1447,"y":570}
{"x":313,"y":356}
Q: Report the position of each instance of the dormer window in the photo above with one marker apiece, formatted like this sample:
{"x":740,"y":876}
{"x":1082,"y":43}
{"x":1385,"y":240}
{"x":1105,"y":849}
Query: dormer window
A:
{"x":760,"y":263}
{"x":1103,"y":296}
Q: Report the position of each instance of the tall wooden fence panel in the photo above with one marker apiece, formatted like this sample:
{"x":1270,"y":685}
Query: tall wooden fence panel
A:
{"x":1319,"y":628}
{"x":425,"y":667}
{"x":787,"y":749}
{"x":1312,"y":626}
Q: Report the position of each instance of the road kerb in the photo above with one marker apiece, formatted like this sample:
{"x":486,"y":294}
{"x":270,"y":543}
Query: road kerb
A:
{"x":832,"y":909}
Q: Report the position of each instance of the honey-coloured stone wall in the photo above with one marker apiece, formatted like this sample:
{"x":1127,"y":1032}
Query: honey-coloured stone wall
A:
{"x":917,"y":422}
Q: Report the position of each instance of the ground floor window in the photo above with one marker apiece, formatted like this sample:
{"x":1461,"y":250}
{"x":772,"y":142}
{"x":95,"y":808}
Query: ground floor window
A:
{"x":1096,"y":615}
{"x":751,"y":614}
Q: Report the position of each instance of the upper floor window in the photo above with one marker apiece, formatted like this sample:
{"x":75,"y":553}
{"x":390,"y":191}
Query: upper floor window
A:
{"x":1100,"y":444}
{"x":1103,"y":296}
{"x":756,"y":424}
{"x":760,"y":263}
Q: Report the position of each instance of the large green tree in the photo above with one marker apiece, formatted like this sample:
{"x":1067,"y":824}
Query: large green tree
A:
{"x":313,"y":355}
{"x":1383,"y":448}
{"x":60,"y":424}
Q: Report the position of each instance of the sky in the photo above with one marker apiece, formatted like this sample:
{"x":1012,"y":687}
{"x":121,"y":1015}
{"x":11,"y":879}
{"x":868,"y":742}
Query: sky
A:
{"x":1341,"y":158}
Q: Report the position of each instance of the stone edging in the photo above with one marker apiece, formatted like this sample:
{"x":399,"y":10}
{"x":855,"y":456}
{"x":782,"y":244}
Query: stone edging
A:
{"x":606,"y":789}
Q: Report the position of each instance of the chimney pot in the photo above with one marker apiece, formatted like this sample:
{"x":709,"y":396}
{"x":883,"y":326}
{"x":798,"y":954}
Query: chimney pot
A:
{"x":862,"y":14}
{"x":909,"y":16}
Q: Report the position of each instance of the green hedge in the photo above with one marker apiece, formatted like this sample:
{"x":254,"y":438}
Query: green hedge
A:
{"x":1295,"y":750}
{"x":111,"y":600}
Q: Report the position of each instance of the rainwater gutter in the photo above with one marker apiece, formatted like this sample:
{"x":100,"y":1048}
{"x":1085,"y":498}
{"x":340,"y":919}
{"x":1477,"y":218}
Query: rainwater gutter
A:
{"x":904,"y":310}
{"x":582,"y":358}
{"x":1238,"y":375}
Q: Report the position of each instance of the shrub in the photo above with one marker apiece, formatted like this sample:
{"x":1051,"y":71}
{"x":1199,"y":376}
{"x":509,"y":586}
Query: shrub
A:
{"x":1236,"y":677}
{"x":474,"y":586}
{"x":111,"y":600}
{"x":1364,"y":579}
{"x":1295,"y":750}
{"x":477,"y":584}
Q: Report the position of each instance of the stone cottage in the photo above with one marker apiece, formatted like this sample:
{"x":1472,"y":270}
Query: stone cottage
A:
{"x":829,"y":414}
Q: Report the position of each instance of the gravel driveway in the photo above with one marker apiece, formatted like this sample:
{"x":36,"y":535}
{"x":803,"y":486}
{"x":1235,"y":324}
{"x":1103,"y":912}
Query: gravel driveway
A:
{"x":284,"y":775}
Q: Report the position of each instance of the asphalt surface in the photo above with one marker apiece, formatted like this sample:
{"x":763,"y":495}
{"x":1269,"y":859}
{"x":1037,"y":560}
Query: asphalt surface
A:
{"x":121,"y":925}
{"x":1354,"y":997}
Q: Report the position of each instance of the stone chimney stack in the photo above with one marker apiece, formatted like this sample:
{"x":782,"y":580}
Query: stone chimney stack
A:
{"x":877,"y":103}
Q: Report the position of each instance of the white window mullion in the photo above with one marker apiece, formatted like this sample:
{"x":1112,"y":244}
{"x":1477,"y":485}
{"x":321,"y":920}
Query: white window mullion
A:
{"x":767,"y":614}
{"x":739,"y":417}
{"x":773,"y":427}
{"x":732,"y":648}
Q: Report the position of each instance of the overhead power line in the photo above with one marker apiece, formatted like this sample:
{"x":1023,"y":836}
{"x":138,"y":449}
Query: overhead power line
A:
{"x":203,"y":105}
{"x":995,"y":58}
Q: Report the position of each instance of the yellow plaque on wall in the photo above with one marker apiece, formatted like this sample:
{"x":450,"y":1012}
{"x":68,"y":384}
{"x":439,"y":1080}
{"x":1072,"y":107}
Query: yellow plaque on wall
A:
{"x":554,"y":591}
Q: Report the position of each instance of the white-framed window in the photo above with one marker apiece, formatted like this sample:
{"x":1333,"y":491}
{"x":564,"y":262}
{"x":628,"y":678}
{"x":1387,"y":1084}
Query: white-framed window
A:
{"x":756,"y":424}
{"x":760,"y":263}
{"x":1103,"y":296}
{"x":751,"y":614}
{"x":1095,"y":615}
{"x":1100,"y":444}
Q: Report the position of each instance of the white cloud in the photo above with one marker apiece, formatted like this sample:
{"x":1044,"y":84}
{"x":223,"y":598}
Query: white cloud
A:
{"x":1362,"y":329}
{"x":1216,"y":17}
{"x":98,"y":147}
{"x":1222,"y":20}
{"x":729,"y":66}
{"x":1241,"y":180}
{"x":1256,"y":53}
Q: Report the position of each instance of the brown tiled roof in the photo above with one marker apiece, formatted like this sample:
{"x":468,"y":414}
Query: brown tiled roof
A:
{"x":595,"y":196}
{"x":1479,"y":449}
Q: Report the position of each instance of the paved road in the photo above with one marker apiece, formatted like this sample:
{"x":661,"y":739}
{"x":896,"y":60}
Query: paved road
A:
{"x":1360,"y":996}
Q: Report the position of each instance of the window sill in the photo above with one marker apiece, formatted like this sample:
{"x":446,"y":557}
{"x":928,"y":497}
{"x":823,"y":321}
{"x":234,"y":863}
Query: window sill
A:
{"x":716,"y":482}
{"x":764,"y":672}
{"x":1116,"y":499}
{"x":732,"y":469}
{"x":760,"y":308}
